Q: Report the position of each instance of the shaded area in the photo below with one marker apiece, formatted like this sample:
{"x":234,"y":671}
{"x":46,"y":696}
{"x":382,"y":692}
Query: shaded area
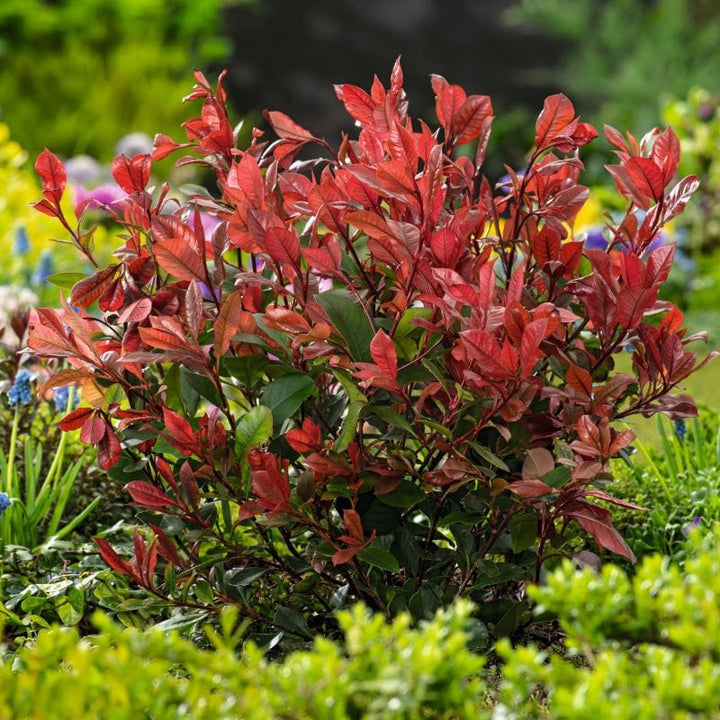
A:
{"x":288,"y":55}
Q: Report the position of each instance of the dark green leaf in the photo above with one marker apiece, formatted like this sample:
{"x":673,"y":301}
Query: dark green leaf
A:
{"x":379,"y":558}
{"x":523,"y":530}
{"x":292,"y":620}
{"x":391,"y":418}
{"x":350,"y":322}
{"x":425,"y":602}
{"x":285,"y":395}
{"x":558,"y":477}
{"x":202,"y":385}
{"x":247,"y":370}
{"x":404,"y":496}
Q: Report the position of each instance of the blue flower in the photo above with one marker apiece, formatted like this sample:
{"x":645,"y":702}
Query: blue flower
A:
{"x":20,"y":392}
{"x":62,"y":394}
{"x":5,"y":502}
{"x":21,"y":245}
{"x":680,"y":428}
{"x":44,"y":268}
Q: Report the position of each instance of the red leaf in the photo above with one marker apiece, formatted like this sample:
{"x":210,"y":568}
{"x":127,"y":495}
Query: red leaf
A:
{"x":357,"y":102}
{"x":372,"y":224}
{"x":93,"y":429}
{"x":538,"y":462}
{"x":395,"y":178}
{"x":659,"y":265}
{"x":282,"y":245}
{"x":132,"y":174}
{"x":353,"y":524}
{"x":447,"y":247}
{"x":557,"y":113}
{"x":286,"y":127}
{"x":75,"y":419}
{"x":147,"y":495}
{"x":382,"y":350}
{"x":447,"y":103}
{"x":179,"y":259}
{"x":227,"y":323}
{"x":546,"y":245}
{"x":91,"y":288}
{"x":530,"y":489}
{"x":53,"y":175}
{"x":179,"y":431}
{"x":596,"y":521}
{"x":469,"y":121}
{"x":305,"y":440}
{"x":646,"y":177}
{"x":678,"y":197}
{"x":530,"y":351}
{"x":113,"y":559}
{"x":109,"y":450}
{"x":166,"y":549}
{"x":343,"y":556}
{"x":580,"y":380}
{"x":666,"y":153}
{"x":632,"y":304}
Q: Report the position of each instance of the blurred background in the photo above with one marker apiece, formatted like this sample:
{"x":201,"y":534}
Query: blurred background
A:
{"x":93,"y":78}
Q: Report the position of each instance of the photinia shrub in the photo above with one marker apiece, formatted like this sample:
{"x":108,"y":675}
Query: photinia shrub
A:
{"x":378,"y":377}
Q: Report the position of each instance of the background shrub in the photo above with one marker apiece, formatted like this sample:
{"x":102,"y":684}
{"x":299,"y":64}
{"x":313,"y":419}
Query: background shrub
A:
{"x":106,"y":68}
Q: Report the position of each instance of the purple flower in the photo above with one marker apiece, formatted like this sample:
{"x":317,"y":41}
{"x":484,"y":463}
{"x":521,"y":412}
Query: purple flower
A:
{"x":695,"y":523}
{"x":100,"y":197}
{"x":82,"y":169}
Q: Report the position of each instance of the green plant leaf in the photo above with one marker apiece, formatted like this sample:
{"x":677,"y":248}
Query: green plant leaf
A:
{"x":292,"y":620}
{"x":285,"y":395}
{"x":392,"y":418}
{"x":404,"y":496}
{"x":350,"y":322}
{"x":254,"y":428}
{"x":201,"y":384}
{"x":380,"y":558}
{"x":349,"y":426}
{"x":523,"y":530}
{"x":66,"y":281}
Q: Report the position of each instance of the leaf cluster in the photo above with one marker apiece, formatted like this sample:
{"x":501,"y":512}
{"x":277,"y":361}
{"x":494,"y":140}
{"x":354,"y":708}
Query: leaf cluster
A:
{"x":378,"y":377}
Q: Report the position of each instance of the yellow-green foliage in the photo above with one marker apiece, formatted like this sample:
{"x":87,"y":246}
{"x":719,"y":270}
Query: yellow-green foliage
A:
{"x":640,"y":647}
{"x":98,"y":69}
{"x":19,"y":187}
{"x":382,"y":671}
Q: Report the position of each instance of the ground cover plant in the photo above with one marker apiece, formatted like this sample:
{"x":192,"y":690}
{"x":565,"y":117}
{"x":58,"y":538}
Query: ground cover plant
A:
{"x":378,"y":377}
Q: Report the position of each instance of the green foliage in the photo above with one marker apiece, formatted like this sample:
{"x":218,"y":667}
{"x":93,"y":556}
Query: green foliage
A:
{"x":38,"y":497}
{"x":623,"y":56}
{"x":379,"y":671}
{"x":679,"y":484}
{"x":640,"y":647}
{"x":696,"y":119}
{"x":100,"y":67}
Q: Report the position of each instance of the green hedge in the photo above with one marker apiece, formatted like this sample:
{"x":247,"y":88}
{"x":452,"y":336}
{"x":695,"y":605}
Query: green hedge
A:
{"x":640,"y":647}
